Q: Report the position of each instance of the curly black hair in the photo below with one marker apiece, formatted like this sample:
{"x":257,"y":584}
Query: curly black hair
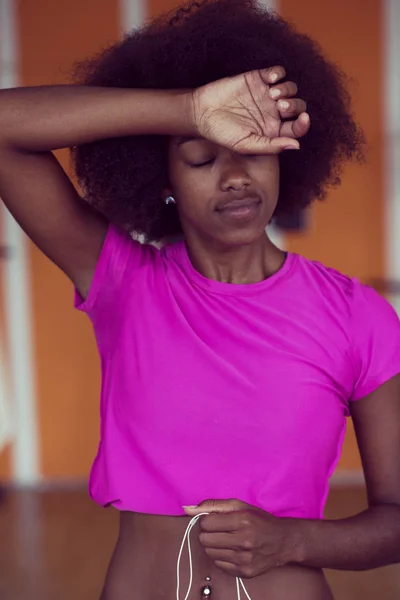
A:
{"x":202,"y":42}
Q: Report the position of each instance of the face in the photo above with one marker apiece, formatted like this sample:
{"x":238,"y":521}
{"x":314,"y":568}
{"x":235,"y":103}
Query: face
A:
{"x":222,"y":196}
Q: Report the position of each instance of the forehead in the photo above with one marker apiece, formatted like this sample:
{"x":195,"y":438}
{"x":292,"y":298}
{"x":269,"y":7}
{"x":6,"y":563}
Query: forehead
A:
{"x":181,"y":144}
{"x":179,"y":141}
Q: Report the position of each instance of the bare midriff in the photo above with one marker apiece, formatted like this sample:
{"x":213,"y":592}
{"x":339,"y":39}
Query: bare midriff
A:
{"x":144,"y":562}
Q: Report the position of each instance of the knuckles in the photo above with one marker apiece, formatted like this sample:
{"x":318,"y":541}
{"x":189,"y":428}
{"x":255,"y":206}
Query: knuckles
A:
{"x":247,"y":544}
{"x":244,"y":521}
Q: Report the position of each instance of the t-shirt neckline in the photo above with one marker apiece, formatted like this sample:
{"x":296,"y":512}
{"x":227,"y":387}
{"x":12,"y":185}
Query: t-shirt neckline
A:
{"x":220,"y":287}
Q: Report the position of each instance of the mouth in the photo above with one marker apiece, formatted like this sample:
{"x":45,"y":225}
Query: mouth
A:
{"x":240,"y":209}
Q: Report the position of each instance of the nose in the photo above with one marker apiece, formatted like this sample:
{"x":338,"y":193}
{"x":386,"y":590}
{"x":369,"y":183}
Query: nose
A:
{"x":234,"y":175}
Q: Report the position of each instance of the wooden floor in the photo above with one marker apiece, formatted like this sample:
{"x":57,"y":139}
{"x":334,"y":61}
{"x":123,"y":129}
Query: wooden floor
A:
{"x":56,"y":546}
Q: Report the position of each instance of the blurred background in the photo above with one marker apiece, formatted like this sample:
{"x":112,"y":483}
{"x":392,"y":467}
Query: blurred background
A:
{"x":53,"y":540}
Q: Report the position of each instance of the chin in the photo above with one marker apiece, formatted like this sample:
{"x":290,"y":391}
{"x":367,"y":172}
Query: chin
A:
{"x":240,"y":237}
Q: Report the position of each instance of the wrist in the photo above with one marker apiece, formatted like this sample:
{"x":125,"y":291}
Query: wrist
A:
{"x":188,"y":112}
{"x":295,"y":551}
{"x":158,"y":112}
{"x":178,"y":110}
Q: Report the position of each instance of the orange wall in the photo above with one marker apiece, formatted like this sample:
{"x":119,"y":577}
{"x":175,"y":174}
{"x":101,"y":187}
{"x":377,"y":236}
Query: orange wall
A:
{"x":158,"y":6}
{"x":5,"y":464}
{"x":347,"y":230}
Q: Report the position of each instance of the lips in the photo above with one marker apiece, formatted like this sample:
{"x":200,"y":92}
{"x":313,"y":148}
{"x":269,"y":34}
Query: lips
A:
{"x":239,"y":210}
{"x":236,"y":204}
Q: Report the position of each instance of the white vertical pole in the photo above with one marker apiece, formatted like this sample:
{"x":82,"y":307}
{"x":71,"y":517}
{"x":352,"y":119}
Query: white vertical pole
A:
{"x":132,"y":14}
{"x":272,"y":4}
{"x":391,"y":93}
{"x":16,"y":290}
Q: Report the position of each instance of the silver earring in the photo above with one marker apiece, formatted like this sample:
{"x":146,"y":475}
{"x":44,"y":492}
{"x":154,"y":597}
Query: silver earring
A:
{"x":170,"y":200}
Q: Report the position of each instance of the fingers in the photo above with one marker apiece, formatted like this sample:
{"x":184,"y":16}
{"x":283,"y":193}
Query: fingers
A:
{"x":227,"y":567}
{"x":272,"y":75}
{"x":221,"y":522}
{"x":258,"y":144}
{"x":246,"y":571}
{"x":215,"y":506}
{"x":296,"y":129}
{"x":287,"y":104}
{"x":283,"y":90}
{"x":225,"y":555}
{"x":262,"y":145}
{"x":238,"y":564}
{"x":219,"y":540}
{"x":291,"y":108}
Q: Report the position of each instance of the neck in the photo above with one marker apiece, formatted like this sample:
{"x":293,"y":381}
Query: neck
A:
{"x":246,"y":264}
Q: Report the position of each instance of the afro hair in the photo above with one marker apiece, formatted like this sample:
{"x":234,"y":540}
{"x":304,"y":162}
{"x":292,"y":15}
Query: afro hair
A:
{"x":199,"y":43}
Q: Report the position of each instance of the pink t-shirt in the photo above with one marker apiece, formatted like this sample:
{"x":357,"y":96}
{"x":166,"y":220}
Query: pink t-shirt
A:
{"x":217,"y":390}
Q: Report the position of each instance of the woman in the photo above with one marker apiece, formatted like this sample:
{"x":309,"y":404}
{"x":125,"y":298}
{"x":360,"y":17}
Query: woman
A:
{"x":229,"y":367}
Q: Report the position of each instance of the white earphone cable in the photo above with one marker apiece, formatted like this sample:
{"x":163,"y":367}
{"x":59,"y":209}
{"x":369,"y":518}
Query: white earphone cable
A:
{"x":186,"y":538}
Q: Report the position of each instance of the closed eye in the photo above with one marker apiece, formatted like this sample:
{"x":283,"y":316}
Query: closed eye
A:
{"x":202,"y":164}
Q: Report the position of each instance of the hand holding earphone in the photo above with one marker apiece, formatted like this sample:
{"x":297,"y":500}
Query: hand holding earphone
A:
{"x":244,"y":540}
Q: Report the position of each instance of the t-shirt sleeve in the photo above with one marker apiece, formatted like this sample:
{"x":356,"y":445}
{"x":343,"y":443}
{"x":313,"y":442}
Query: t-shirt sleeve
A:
{"x":376,"y":340}
{"x":121,"y":258}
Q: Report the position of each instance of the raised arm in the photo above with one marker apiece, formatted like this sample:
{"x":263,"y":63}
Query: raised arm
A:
{"x":237,"y":112}
{"x":33,"y":185}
